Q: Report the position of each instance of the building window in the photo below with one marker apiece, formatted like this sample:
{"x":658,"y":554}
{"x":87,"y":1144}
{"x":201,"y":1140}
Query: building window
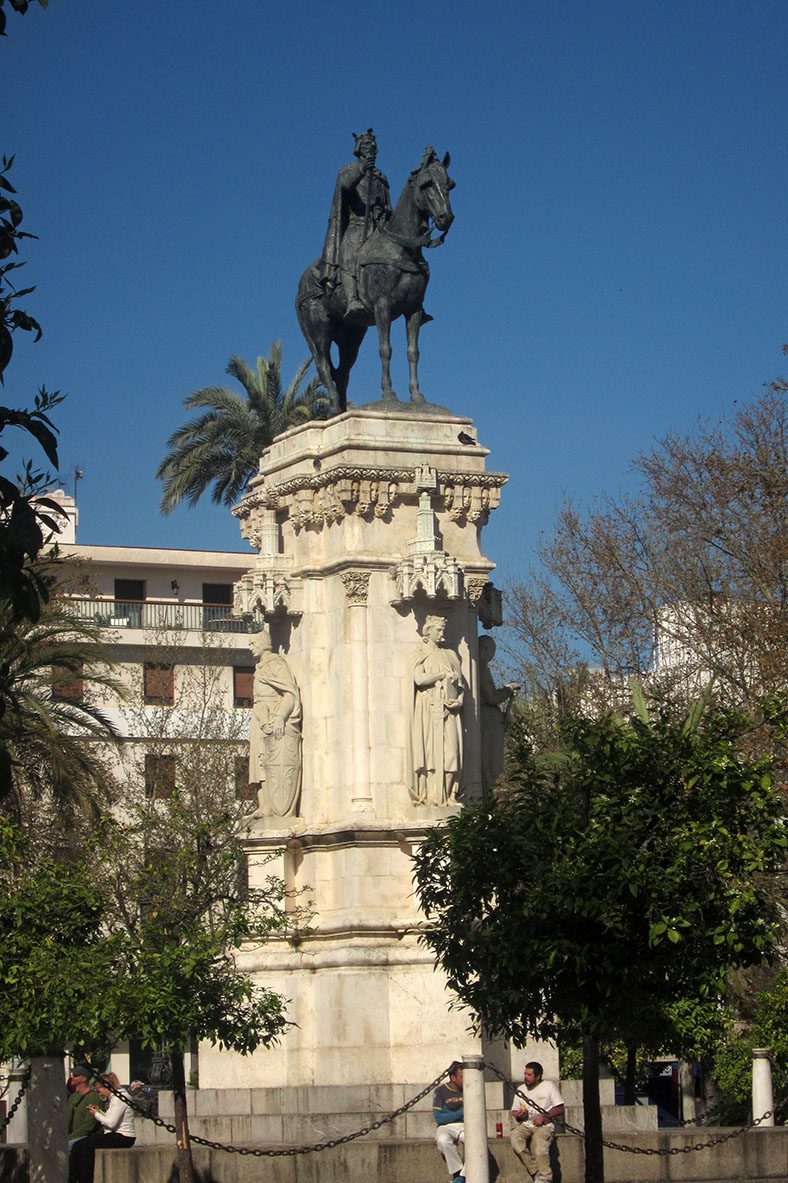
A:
{"x":67,"y":684}
{"x":129,"y":597}
{"x":242,"y":790}
{"x":130,"y":590}
{"x":243,"y":681}
{"x":217,"y":593}
{"x":217,"y":599}
{"x":159,"y":683}
{"x":159,"y":776}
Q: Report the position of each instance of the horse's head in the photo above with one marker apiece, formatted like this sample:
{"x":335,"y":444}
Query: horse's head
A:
{"x":432,"y":184}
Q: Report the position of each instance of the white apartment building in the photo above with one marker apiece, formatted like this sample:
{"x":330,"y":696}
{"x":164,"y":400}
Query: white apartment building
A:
{"x":182,"y":656}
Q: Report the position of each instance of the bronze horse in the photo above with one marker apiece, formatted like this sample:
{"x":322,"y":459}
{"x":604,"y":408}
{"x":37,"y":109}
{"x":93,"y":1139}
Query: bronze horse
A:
{"x":392,"y":280}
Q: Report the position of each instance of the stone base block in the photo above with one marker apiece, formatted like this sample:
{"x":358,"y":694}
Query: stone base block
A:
{"x":755,"y":1157}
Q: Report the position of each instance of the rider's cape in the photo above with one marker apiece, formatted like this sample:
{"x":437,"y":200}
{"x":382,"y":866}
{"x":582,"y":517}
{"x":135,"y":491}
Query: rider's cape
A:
{"x":347,"y":178}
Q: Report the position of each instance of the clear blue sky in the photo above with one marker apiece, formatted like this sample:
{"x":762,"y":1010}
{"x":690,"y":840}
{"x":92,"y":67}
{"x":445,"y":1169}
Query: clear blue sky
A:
{"x":617,"y":265}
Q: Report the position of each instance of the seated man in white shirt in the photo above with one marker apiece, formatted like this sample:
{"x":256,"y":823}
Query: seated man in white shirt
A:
{"x":533,"y":1130}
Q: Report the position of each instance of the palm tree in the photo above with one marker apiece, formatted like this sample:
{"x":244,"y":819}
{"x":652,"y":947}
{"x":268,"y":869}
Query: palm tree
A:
{"x":222,"y":447}
{"x":54,"y":752}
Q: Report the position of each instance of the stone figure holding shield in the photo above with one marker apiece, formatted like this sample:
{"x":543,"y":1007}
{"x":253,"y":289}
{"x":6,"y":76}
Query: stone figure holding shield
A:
{"x":275,"y":732}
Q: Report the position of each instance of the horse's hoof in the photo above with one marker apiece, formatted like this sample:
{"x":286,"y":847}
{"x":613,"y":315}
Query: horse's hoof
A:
{"x":417,"y":397}
{"x":389,"y":397}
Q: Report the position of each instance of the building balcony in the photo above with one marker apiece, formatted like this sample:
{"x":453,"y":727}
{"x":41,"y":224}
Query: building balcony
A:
{"x":160,"y":614}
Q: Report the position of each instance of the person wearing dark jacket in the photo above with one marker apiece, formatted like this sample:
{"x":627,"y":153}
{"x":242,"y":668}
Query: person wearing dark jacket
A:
{"x":81,"y":1121}
{"x":447,"y":1109}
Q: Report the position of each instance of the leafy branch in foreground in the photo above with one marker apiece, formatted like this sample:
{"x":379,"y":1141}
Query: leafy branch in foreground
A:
{"x":619,"y":876}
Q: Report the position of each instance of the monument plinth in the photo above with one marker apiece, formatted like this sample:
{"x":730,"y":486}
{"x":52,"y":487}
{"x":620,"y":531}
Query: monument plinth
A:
{"x":371,"y":578}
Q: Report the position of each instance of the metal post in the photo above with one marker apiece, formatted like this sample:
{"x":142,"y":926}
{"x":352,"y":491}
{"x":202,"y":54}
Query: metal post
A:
{"x":762,"y":1095}
{"x":477,"y":1163}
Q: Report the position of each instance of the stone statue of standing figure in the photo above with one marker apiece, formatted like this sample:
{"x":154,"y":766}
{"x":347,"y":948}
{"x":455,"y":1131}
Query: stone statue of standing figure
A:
{"x":436,"y":728}
{"x":493,"y":719}
{"x":274,"y":732}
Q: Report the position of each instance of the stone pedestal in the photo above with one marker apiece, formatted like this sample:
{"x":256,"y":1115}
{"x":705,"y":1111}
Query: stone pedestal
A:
{"x":366,"y":525}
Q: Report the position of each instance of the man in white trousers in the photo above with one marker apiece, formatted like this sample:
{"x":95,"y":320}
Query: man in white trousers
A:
{"x":447,"y":1109}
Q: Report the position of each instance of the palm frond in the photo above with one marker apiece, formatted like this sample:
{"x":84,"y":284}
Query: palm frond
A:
{"x":221,"y":448}
{"x":54,"y":745}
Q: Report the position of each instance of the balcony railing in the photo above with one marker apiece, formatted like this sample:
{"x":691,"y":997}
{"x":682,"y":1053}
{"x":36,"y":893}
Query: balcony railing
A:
{"x":159,"y":614}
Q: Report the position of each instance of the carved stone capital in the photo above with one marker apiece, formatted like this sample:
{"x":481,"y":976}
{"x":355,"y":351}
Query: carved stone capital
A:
{"x":474,"y":586}
{"x":356,"y":586}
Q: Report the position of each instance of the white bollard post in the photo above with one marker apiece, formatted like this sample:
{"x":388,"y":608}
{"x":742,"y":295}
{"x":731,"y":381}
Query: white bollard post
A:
{"x":16,"y":1130}
{"x":762,"y":1095}
{"x":477,"y":1163}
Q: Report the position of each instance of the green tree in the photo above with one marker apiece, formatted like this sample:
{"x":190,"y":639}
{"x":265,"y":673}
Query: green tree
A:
{"x":766,"y":1027}
{"x":55,"y":957}
{"x":617,"y":878}
{"x":175,"y":895}
{"x":137,"y":941}
{"x":222,"y":446}
{"x":56,"y":968}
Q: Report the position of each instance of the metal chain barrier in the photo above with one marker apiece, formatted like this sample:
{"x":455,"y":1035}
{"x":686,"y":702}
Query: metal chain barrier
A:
{"x":291,"y":1151}
{"x":672,"y":1150}
{"x":4,"y":1124}
{"x":780,"y":1072}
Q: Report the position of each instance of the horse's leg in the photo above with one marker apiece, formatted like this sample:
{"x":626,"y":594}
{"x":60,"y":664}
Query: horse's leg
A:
{"x":326,"y":375}
{"x":383,"y":323}
{"x":348,"y":346}
{"x":412,"y":326}
{"x":318,"y":338}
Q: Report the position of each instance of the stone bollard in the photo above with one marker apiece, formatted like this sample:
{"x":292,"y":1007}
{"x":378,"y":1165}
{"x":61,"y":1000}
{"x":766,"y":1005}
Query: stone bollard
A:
{"x":762,"y":1095}
{"x":47,"y":1122}
{"x":477,"y":1163}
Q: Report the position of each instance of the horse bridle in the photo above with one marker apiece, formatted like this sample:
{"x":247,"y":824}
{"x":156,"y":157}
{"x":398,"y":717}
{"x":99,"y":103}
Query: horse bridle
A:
{"x":424,"y":240}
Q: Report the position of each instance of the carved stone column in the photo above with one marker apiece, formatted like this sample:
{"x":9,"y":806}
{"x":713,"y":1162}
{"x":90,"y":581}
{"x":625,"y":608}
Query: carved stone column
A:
{"x":367,"y":524}
{"x":356,"y":584}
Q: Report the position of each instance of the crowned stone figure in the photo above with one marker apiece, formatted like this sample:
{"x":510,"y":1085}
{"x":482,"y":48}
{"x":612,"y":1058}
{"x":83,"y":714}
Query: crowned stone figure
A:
{"x":361,"y":202}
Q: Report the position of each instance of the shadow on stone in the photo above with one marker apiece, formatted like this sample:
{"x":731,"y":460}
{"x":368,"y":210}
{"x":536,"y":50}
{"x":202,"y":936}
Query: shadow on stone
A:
{"x":205,"y":1176}
{"x":555,"y":1162}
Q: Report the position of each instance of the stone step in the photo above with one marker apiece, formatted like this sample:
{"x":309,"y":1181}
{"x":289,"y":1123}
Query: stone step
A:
{"x":242,"y":1129}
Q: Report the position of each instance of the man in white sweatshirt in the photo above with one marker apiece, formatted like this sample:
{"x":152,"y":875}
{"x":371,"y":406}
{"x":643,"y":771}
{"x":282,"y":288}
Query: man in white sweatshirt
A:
{"x":533,"y":1130}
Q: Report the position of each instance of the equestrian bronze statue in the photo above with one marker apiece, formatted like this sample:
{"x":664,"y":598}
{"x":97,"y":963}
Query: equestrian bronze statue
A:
{"x":372,"y":269}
